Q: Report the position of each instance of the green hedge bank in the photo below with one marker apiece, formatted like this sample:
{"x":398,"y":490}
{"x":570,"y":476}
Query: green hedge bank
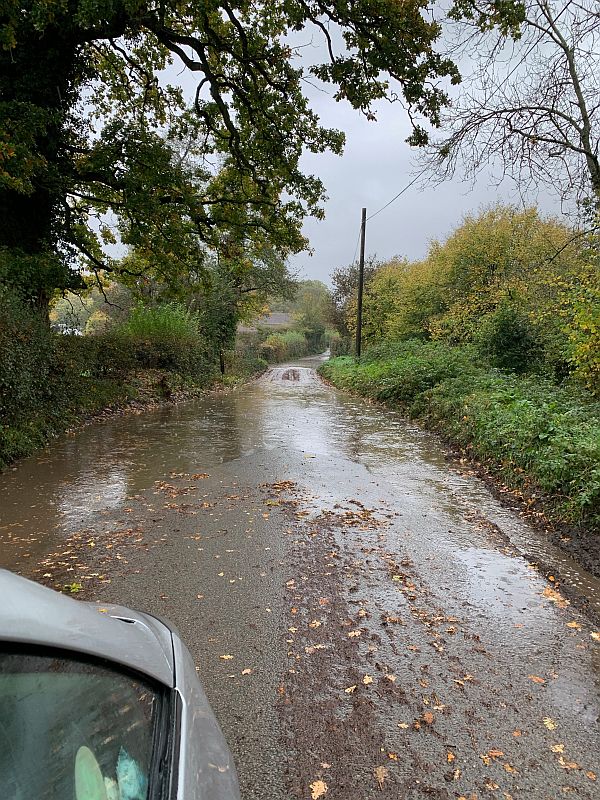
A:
{"x":533,"y":434}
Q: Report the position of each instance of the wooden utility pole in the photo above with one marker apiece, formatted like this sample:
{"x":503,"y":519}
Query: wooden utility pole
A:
{"x":361,"y":279}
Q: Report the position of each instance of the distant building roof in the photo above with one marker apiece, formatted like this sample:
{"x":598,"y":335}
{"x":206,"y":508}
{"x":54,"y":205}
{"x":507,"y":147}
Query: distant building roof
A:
{"x":278,"y":319}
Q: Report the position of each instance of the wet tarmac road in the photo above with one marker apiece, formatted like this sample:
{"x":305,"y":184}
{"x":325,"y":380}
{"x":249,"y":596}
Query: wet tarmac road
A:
{"x":387,"y":637}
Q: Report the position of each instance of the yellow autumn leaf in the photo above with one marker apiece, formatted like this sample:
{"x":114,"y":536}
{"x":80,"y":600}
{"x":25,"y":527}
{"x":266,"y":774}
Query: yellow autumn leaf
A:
{"x":536,"y":679}
{"x":226,"y":657}
{"x":380,"y":774}
{"x":568,"y":764}
{"x":350,"y":689}
{"x":549,"y":723}
{"x":555,"y":597}
{"x":367,"y":680}
{"x":595,"y":636}
{"x":318,"y":789}
{"x":558,"y":748}
{"x":573,"y":624}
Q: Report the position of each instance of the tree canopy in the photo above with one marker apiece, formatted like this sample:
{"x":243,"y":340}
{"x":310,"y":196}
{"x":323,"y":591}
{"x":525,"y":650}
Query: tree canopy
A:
{"x":98,"y":147}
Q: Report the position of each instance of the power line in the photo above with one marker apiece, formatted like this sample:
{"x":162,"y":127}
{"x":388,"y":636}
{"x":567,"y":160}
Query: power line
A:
{"x":356,"y":248}
{"x":401,"y":192}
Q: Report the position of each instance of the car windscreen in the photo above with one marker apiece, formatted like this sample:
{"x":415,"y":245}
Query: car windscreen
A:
{"x":73,"y":730}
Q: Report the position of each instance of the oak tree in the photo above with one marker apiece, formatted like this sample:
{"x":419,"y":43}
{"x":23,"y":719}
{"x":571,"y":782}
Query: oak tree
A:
{"x":98,"y":146}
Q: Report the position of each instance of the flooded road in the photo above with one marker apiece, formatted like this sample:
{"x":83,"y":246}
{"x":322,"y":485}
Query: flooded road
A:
{"x":387,"y":636}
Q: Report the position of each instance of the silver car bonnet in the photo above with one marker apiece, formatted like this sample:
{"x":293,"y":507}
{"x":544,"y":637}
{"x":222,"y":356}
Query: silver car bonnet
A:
{"x":34,"y":615}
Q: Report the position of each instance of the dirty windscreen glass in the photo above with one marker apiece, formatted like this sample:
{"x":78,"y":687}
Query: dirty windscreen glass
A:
{"x":71,"y":730}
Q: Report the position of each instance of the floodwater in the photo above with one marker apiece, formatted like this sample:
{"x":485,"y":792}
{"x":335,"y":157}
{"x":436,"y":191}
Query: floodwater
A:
{"x":506,"y":664}
{"x":98,"y":468}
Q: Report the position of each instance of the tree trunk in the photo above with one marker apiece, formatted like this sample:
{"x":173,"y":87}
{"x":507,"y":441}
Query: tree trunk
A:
{"x":36,"y":80}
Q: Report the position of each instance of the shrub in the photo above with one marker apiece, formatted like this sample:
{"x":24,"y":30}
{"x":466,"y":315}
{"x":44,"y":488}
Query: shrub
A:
{"x":283,"y":346}
{"x":164,"y":337}
{"x":507,"y":339}
{"x":26,"y":356}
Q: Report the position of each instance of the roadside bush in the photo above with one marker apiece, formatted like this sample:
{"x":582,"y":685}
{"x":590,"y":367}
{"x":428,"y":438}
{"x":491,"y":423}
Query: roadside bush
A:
{"x":26,"y":356}
{"x":283,"y":346}
{"x":507,"y":339}
{"x":164,"y":337}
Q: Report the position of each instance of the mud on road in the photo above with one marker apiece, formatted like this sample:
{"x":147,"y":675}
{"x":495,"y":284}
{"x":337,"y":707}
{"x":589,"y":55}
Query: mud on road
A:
{"x":362,"y":618}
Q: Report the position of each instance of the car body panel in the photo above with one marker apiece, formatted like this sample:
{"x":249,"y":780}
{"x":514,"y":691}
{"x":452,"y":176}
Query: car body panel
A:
{"x":34,"y":615}
{"x":202,"y":767}
{"x":206,"y":771}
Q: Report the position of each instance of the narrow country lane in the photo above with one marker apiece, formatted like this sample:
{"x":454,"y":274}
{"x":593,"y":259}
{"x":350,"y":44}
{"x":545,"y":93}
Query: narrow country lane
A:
{"x":368,"y":621}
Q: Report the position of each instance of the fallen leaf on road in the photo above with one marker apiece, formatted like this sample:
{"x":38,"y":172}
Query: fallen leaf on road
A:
{"x":312,"y":648}
{"x":450,"y":757}
{"x":536,"y":679}
{"x":591,"y":775}
{"x":509,"y":768}
{"x":367,"y":680}
{"x":403,"y":725}
{"x":325,"y":765}
{"x":350,"y":689}
{"x":573,"y":624}
{"x":517,"y":733}
{"x":318,"y":789}
{"x":555,"y":597}
{"x":226,"y":657}
{"x":380,"y":774}
{"x":314,"y":624}
{"x":456,"y":774}
{"x":487,"y":757}
{"x":393,"y":756}
{"x":246,"y":671}
{"x":549,"y":723}
{"x":568,"y":764}
{"x":391,"y":678}
{"x":558,"y":748}
{"x":428,"y":717}
{"x":489,"y":784}
{"x":354,"y":634}
{"x":595,"y":636}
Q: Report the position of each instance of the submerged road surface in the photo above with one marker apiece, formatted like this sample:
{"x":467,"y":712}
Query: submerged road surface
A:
{"x":360,"y":612}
